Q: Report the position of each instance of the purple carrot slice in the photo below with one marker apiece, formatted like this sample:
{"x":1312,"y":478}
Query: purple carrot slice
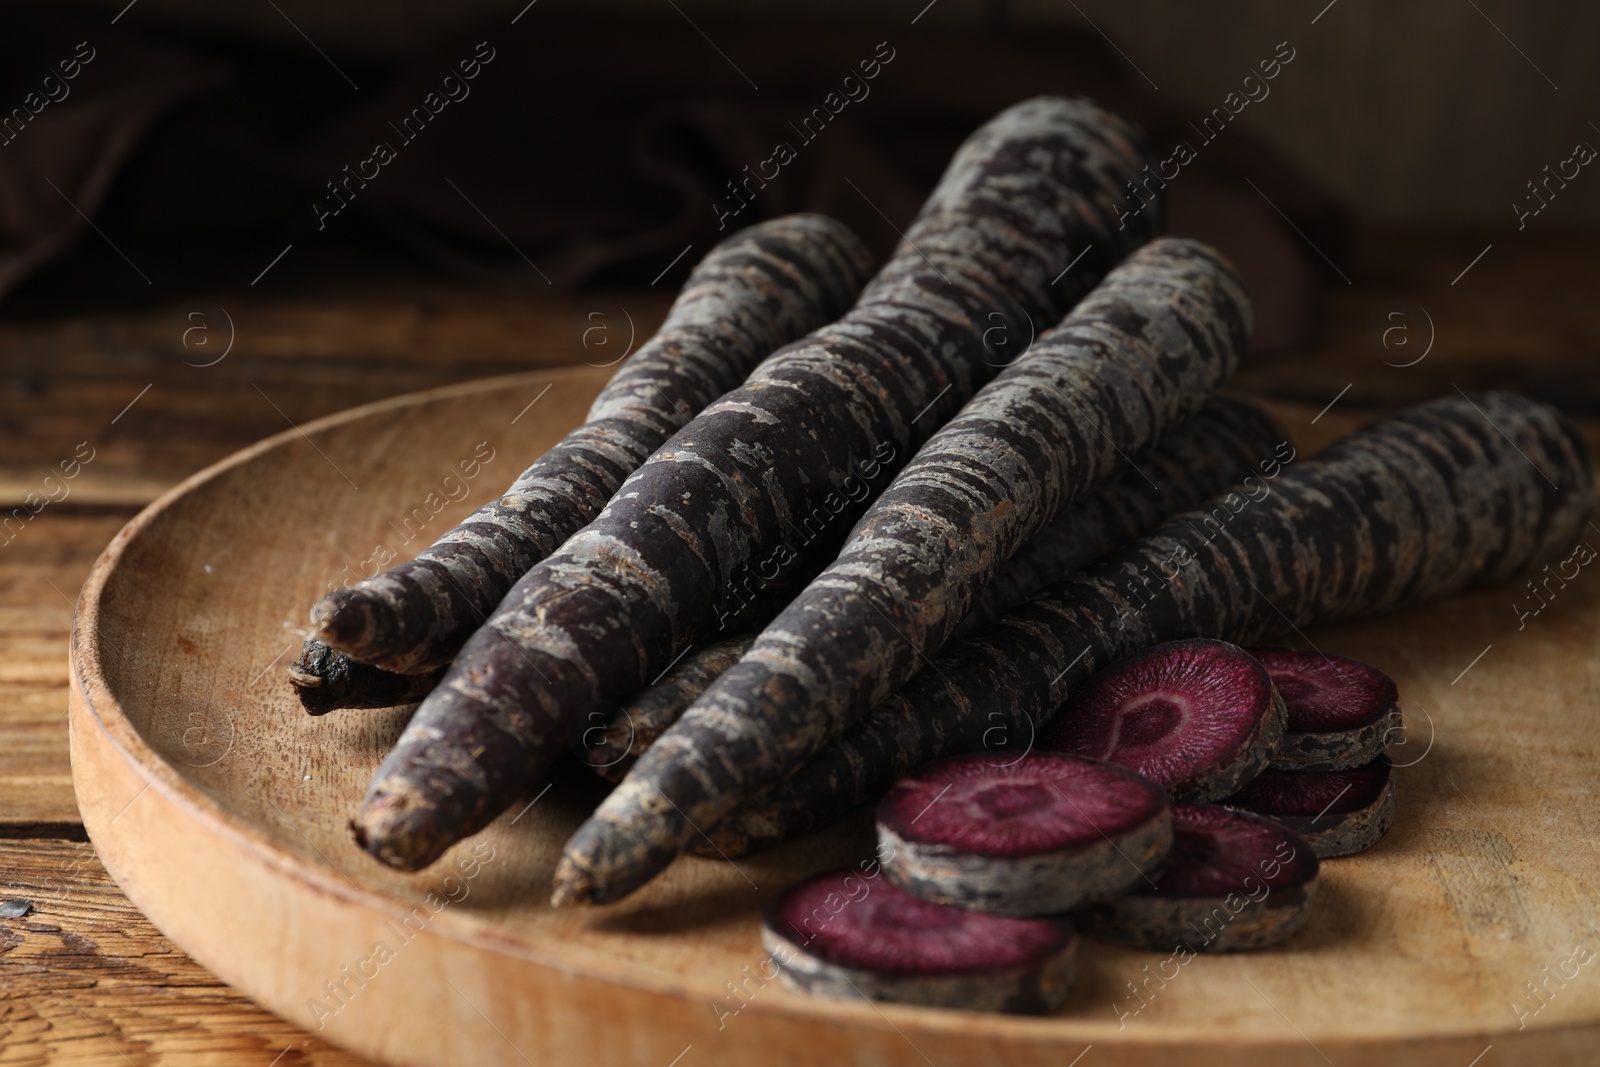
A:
{"x":1234,"y":881}
{"x":1199,"y":717}
{"x":1339,"y":813}
{"x":1342,"y":712}
{"x":844,"y":934}
{"x":1037,"y":834}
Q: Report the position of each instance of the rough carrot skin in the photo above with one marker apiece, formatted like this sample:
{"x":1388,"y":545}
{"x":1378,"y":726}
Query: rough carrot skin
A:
{"x":618,"y":733}
{"x":326,"y":680}
{"x":636,"y":725}
{"x":755,"y":292}
{"x":1138,"y":356}
{"x":1417,"y":506}
{"x":745,"y":487}
{"x":1217,"y":448}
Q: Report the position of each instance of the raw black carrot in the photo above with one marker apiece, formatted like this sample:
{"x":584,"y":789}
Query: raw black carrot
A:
{"x":755,"y":292}
{"x":1198,"y":717}
{"x":1339,"y":813}
{"x":1217,"y":448}
{"x":326,"y":680}
{"x":1417,"y":506}
{"x":635,"y":726}
{"x":1038,"y":835}
{"x":737,"y":497}
{"x":1206,"y":899}
{"x":840,"y":935}
{"x":1139,"y":355}
{"x":621,"y":732}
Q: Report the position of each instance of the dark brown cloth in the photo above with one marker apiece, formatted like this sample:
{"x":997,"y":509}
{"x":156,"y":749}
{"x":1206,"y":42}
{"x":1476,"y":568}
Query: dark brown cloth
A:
{"x":595,"y":149}
{"x":71,"y":111}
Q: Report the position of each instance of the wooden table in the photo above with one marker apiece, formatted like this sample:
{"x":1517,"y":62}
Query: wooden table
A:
{"x":84,"y":978}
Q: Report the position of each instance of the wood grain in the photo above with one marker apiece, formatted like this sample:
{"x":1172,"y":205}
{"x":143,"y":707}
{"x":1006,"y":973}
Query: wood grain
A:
{"x":86,"y":979}
{"x":73,"y":379}
{"x":216,"y":801}
{"x":40,"y":572}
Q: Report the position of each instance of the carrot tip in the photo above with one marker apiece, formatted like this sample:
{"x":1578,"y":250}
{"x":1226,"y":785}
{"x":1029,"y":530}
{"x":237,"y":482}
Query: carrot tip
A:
{"x":397,"y":835}
{"x":343,"y":619}
{"x":573,"y":885}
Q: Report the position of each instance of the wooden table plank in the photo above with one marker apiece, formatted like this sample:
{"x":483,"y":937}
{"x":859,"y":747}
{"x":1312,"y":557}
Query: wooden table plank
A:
{"x":40,"y":572}
{"x":86,"y":979}
{"x":71,"y":381}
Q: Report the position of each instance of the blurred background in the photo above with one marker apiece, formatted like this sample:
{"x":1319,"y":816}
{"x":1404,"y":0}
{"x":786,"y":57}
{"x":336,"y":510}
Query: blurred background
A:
{"x":355,"y":199}
{"x":327,"y":194}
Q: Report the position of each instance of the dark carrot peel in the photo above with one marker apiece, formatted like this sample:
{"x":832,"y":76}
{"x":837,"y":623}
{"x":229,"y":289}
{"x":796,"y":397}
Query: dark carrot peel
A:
{"x":1139,"y":355}
{"x":755,"y":292}
{"x":1342,"y":712}
{"x":326,"y":680}
{"x":635,"y":726}
{"x":1199,"y":718}
{"x":1339,"y":813}
{"x":1218,"y":448}
{"x":1234,"y":882}
{"x":838,"y":935}
{"x":625,"y":731}
{"x":1416,"y":506}
{"x":735,"y":498}
{"x":1036,"y":835}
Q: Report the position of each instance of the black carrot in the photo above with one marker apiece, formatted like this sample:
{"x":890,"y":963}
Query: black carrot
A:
{"x":738,"y":495}
{"x":1415,"y":507}
{"x":755,"y":292}
{"x":634,"y":726}
{"x":1139,"y":355}
{"x":1222,"y":445}
{"x":326,"y":680}
{"x":1217,"y":448}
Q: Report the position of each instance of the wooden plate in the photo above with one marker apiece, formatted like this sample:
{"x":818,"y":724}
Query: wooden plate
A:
{"x":221,"y":809}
